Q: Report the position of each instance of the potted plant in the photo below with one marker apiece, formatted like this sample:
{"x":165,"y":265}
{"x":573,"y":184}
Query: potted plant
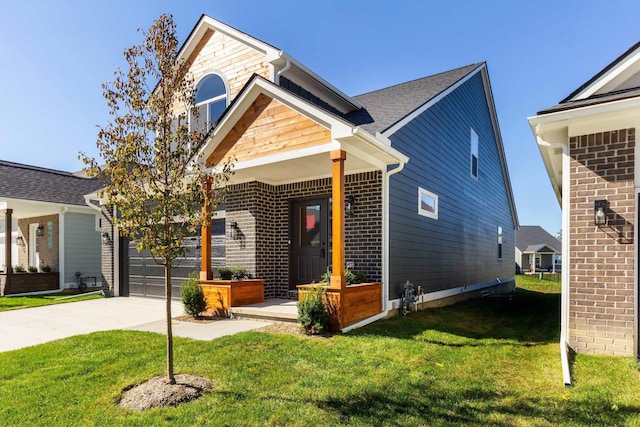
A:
{"x":18,"y":269}
{"x":45,"y":268}
{"x":32,"y":269}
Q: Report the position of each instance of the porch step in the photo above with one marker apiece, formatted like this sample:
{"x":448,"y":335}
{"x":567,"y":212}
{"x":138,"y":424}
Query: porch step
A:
{"x":273,"y":310}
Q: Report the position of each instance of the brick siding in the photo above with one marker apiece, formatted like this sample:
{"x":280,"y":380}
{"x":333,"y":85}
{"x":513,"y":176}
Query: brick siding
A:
{"x":262,"y":214}
{"x":47,"y":255}
{"x":106,"y":249}
{"x":601,"y":284}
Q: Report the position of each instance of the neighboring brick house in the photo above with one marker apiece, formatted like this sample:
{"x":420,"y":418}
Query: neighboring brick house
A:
{"x":46,"y":222}
{"x":405,"y":183}
{"x":588,"y":144}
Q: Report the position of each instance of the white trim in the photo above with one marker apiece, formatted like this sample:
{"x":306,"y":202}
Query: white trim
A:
{"x":61,"y":254}
{"x":446,"y":293}
{"x":586,"y":111}
{"x":407,"y":119}
{"x":609,"y":76}
{"x":434,"y":197}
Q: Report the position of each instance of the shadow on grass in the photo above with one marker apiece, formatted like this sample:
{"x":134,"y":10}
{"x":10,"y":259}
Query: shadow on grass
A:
{"x":476,"y":406}
{"x":530,"y":318}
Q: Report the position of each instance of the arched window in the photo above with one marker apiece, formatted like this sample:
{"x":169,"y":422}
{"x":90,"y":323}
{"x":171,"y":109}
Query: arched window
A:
{"x":211,"y":101}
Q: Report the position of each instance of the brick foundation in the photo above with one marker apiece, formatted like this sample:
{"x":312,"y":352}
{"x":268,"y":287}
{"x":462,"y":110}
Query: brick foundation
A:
{"x":601,"y":284}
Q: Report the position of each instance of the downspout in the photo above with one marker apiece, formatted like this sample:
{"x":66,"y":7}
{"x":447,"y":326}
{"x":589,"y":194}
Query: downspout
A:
{"x":279,"y":73}
{"x":61,"y":257}
{"x":566,"y":237}
{"x":385,"y":252}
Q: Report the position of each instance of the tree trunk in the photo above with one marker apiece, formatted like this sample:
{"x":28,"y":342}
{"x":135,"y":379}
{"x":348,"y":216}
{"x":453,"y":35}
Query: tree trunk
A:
{"x":167,"y":285}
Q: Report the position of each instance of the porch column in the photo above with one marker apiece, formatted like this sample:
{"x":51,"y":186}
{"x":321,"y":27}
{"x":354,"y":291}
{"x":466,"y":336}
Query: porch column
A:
{"x":338,"y":279}
{"x":7,"y":241}
{"x":205,"y":235}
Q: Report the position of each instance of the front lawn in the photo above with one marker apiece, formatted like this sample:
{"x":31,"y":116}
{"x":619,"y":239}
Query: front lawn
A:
{"x":14,"y":303}
{"x":481,"y":362}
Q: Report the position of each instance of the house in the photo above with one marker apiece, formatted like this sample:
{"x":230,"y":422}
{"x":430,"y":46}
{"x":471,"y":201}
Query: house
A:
{"x":537,"y":250}
{"x":588,"y":144}
{"x":46,"y":222}
{"x":407,"y":183}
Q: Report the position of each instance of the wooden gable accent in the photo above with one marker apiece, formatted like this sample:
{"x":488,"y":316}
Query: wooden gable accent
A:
{"x":268,"y":127}
{"x":234,"y":60}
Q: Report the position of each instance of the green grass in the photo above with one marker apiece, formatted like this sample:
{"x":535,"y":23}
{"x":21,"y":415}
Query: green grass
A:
{"x":15,"y":303}
{"x":481,"y":362}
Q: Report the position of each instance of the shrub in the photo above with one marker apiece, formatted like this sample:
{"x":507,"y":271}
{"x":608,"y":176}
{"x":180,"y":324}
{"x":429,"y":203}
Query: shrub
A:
{"x":312,"y":313}
{"x":32,"y":269}
{"x":353,"y":277}
{"x":192,"y":296}
{"x":232,"y":273}
{"x":45,"y":268}
{"x":18,"y":269}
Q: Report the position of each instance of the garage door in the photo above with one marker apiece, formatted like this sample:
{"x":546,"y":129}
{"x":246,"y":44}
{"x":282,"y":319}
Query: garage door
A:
{"x":141,"y":276}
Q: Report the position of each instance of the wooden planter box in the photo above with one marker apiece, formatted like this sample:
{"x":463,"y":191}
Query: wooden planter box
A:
{"x":224,"y":294}
{"x":19,"y":283}
{"x":355,"y":303}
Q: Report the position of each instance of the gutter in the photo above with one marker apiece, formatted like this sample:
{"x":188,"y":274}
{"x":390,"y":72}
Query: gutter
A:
{"x":385,"y":252}
{"x":564,"y":296}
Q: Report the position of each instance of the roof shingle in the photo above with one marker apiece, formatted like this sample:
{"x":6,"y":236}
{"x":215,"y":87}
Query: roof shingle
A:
{"x":26,"y":182}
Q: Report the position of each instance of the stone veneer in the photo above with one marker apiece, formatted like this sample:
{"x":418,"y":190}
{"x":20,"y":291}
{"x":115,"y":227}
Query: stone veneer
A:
{"x":601,"y":284}
{"x":262,"y":214}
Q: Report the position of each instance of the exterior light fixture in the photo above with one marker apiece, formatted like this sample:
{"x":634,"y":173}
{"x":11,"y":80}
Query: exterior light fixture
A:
{"x":40,"y":230}
{"x":236,"y":234}
{"x":105,"y":238}
{"x":600,"y":208}
{"x":349,"y":204}
{"x":20,"y":241}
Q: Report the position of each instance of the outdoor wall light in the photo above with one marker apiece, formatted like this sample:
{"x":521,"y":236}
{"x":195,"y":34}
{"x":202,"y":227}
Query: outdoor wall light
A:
{"x":105,"y":238}
{"x":40,"y":230}
{"x":600,"y":208}
{"x":235,"y":231}
{"x":20,"y":241}
{"x":348,"y":205}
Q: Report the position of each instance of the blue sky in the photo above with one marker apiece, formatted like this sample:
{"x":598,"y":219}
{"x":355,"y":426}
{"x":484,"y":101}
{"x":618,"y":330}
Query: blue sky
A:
{"x":55,"y":55}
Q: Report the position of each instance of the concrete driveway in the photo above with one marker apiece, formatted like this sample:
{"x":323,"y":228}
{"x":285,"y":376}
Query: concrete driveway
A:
{"x":31,"y":326}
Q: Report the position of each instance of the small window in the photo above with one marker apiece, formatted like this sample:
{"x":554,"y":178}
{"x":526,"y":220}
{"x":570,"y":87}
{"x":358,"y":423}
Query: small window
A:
{"x":499,"y":243}
{"x":427,"y":203}
{"x":211,"y":101}
{"x":474,"y":154}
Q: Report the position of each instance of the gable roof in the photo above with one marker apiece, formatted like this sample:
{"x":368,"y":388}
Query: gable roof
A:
{"x":385,"y":107}
{"x":26,"y":182}
{"x":531,"y":238}
{"x":619,"y":80}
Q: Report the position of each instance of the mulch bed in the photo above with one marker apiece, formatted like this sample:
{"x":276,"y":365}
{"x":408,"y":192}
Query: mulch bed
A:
{"x":157,"y":392}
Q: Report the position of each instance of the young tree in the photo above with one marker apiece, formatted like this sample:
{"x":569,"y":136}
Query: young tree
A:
{"x":150,"y":155}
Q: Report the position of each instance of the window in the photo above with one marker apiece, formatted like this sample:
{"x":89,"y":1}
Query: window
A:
{"x":211,"y":101}
{"x":499,"y":243}
{"x":474,"y":154}
{"x":427,"y":203}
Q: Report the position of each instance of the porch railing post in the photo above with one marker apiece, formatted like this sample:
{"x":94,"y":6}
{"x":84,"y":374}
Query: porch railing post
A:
{"x":338,"y":279}
{"x":206,"y":272}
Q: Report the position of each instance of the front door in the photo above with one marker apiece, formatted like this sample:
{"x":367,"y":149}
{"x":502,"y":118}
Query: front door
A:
{"x":309,"y":240}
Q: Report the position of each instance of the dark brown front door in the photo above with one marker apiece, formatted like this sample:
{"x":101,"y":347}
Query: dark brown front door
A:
{"x":309,"y":239}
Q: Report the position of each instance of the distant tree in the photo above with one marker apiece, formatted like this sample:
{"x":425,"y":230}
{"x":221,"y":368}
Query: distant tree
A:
{"x":559,"y":235}
{"x":149,"y":155}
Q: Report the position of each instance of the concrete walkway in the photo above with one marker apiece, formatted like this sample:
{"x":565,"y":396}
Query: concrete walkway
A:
{"x":31,"y":326}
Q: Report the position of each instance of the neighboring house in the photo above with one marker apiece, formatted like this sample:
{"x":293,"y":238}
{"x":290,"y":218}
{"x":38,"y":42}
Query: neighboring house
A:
{"x":407,"y":183}
{"x":537,"y":250}
{"x":46,"y":222}
{"x":588,"y":144}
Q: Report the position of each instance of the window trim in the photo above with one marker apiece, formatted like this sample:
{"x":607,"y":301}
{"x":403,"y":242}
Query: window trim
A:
{"x":474,"y":143}
{"x":434,"y":197}
{"x":500,"y":242}
{"x":207,"y":102}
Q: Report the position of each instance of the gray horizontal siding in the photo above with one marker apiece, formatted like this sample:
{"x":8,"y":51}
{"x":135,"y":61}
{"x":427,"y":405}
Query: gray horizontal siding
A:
{"x":460,"y":247}
{"x":81,"y":247}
